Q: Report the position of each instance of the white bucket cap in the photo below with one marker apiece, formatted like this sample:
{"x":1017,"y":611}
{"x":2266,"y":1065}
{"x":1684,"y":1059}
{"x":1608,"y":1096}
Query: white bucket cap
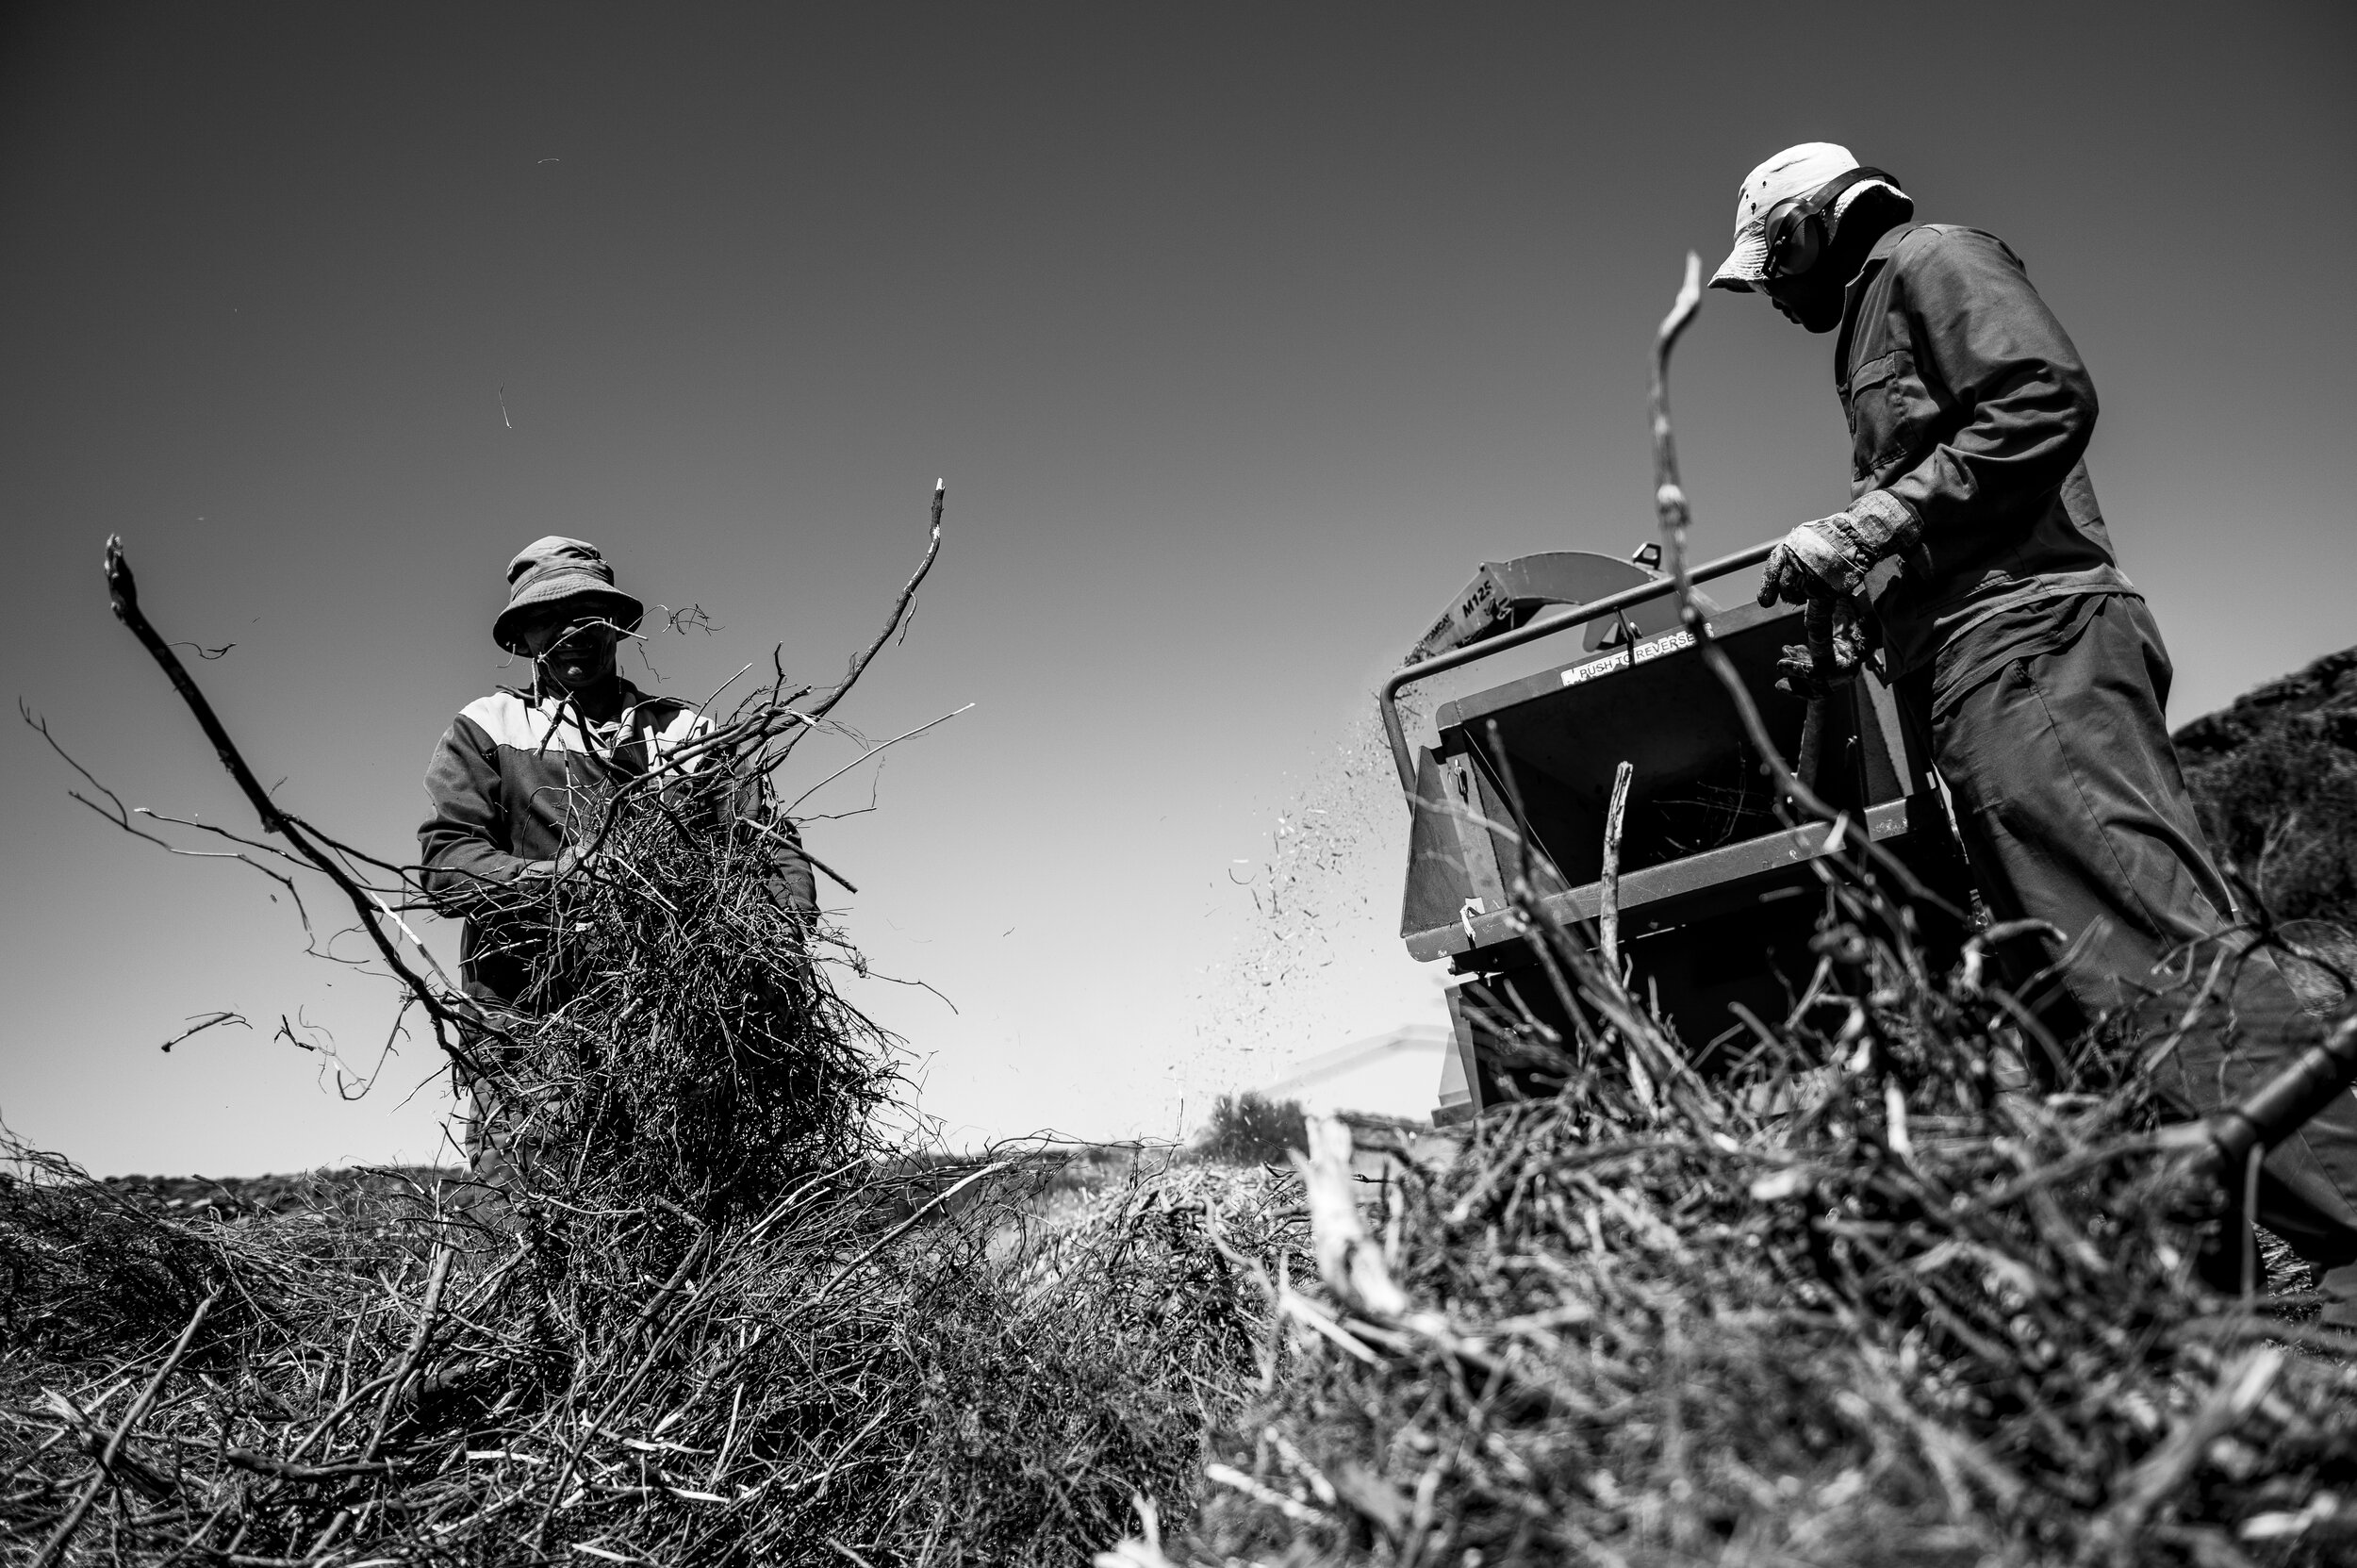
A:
{"x":1794,"y":172}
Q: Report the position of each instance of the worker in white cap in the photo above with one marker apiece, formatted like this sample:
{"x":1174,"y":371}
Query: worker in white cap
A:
{"x":1973,"y":556}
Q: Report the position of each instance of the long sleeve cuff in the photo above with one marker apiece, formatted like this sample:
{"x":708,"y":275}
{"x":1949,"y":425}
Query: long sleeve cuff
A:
{"x":1877,"y":527}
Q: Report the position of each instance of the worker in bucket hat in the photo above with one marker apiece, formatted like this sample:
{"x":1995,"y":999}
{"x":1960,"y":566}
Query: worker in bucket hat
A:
{"x":519,"y":782}
{"x":555,"y":574}
{"x":1973,"y":552}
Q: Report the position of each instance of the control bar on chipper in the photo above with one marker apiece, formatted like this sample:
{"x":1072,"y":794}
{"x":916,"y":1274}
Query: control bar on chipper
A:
{"x":1397,"y":731}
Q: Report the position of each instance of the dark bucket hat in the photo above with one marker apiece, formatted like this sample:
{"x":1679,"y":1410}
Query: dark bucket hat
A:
{"x":554,"y":568}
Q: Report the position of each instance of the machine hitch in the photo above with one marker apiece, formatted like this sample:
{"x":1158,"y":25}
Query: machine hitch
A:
{"x":2227,"y":1146}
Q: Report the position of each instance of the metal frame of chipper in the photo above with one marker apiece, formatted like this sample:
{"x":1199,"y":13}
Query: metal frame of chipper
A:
{"x":1716,"y":895}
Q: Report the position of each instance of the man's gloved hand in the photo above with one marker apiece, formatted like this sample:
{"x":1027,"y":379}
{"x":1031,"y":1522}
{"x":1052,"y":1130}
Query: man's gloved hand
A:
{"x":571,"y":861}
{"x":1807,"y":566}
{"x":1830,"y":558}
{"x":1832,"y":624}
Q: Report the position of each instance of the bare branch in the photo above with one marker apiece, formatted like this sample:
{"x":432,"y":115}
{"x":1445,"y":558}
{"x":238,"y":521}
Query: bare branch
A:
{"x":205,"y":1021}
{"x":451,"y":1016}
{"x":55,"y":1547}
{"x":119,"y":815}
{"x":1608,"y":883}
{"x":891,"y":623}
{"x":871,"y":752}
{"x":1673,"y":515}
{"x":744,"y":739}
{"x":122,"y":814}
{"x":270,"y":850}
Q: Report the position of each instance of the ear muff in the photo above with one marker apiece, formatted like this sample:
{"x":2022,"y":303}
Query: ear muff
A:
{"x":1797,"y":228}
{"x":1796,"y":236}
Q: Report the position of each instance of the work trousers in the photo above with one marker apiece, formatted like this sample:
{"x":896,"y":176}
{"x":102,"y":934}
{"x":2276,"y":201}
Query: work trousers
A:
{"x":502,"y":1150}
{"x":502,"y":1125}
{"x":2074,"y":811}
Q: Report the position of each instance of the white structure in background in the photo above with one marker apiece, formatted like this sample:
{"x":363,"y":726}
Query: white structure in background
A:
{"x":1395,"y":1074}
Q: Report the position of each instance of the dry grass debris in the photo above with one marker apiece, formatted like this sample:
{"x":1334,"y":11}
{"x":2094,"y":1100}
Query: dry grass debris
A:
{"x":718,"y":1318}
{"x":1870,"y":1297}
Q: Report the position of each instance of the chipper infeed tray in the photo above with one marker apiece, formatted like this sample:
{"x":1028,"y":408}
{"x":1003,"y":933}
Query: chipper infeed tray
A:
{"x":1717,"y":898}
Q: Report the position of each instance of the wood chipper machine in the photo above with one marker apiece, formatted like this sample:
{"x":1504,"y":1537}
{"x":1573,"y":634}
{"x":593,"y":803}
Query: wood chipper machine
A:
{"x":1715,"y":894}
{"x":1717,"y":899}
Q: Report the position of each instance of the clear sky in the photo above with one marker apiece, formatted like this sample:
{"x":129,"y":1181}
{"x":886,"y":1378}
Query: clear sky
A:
{"x":1241,"y":334}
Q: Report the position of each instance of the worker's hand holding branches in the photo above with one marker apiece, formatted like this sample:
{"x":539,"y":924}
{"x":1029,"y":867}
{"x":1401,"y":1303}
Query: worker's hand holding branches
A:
{"x":1829,"y":557}
{"x":1823,"y":564}
{"x":571,"y":861}
{"x":1807,"y":567}
{"x":1837,"y":644}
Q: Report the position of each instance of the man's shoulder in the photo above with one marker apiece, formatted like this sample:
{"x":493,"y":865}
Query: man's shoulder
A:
{"x":505,"y":717}
{"x":1933,"y":248}
{"x":669,"y":716}
{"x":524,"y":721}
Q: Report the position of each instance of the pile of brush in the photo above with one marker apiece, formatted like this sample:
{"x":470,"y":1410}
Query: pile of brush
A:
{"x":710,"y":1314}
{"x":1866,"y":1296}
{"x":711,"y":1311}
{"x":712,"y":1317}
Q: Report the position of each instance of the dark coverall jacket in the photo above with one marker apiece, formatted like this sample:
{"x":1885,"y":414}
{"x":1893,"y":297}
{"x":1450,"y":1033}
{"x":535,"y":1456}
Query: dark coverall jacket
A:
{"x":2037,"y":674}
{"x":517,"y":777}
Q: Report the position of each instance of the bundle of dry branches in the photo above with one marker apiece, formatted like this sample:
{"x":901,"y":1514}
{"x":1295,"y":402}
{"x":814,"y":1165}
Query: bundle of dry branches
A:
{"x":681,"y":1054}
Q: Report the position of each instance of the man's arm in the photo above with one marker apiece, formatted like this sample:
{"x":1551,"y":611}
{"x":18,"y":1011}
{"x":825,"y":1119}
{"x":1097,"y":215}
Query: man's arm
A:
{"x":749,"y":809}
{"x":791,"y":877}
{"x":2026,"y":406}
{"x":463,"y":844}
{"x":2027,"y":403}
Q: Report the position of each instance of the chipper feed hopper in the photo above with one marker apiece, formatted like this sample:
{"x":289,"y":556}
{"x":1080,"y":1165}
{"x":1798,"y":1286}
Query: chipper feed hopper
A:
{"x":1717,"y":898}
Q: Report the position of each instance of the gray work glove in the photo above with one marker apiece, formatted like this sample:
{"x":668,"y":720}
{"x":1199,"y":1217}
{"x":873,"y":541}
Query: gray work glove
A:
{"x":1837,"y":645}
{"x":571,"y":861}
{"x":1830,"y":558}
